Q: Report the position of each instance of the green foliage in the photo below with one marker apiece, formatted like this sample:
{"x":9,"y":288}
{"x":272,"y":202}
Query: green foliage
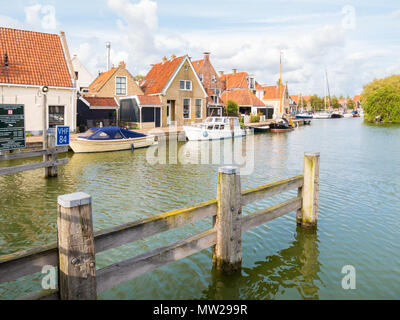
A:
{"x":28,"y":134}
{"x":254,"y":118}
{"x":317,"y":103}
{"x":350,"y":103}
{"x":383,"y":102}
{"x":335,"y":103}
{"x":232,"y":108}
{"x":138,"y":78}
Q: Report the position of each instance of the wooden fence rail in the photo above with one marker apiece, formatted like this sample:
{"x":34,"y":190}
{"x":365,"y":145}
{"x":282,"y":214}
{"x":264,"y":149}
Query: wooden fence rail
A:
{"x":74,"y":253}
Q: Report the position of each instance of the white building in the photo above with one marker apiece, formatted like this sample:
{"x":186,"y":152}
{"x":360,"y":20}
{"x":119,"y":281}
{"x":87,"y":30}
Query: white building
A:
{"x":83,"y":77}
{"x":30,"y":60}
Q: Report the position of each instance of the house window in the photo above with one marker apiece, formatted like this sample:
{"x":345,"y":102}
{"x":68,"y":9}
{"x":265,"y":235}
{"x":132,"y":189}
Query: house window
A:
{"x":198,"y":108}
{"x":252,"y":83}
{"x":56,"y":116}
{"x":120,"y":88}
{"x":201,"y":78}
{"x":214,"y":99}
{"x":213,"y":79}
{"x":185,"y":85}
{"x":186,"y":108}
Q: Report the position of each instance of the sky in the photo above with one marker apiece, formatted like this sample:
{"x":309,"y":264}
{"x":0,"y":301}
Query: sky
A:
{"x":356,"y":41}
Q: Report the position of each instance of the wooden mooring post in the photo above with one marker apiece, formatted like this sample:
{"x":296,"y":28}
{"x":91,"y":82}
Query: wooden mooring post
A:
{"x":227,"y":255}
{"x":307,"y":216}
{"x":77,"y":262}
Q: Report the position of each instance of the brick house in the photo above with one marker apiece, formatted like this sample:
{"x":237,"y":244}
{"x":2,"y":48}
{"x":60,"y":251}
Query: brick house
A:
{"x":30,"y":60}
{"x":213,"y":85}
{"x":273,"y":95}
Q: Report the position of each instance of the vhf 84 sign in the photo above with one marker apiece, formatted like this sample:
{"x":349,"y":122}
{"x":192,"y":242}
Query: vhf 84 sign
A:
{"x":62,"y":136}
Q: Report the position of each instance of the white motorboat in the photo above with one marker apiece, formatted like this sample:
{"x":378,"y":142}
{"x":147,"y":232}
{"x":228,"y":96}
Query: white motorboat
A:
{"x":322,"y":115}
{"x":214,"y":128}
{"x":347,"y":115}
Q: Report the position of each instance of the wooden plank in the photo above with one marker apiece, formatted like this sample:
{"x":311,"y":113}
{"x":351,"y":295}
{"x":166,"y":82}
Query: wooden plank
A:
{"x":77,"y":260}
{"x":270,"y":190}
{"x":20,"y":264}
{"x":121,"y":235}
{"x":118,"y":273}
{"x":32,"y":154}
{"x":263,"y":216}
{"x":32,"y":166}
{"x":26,"y":262}
{"x":227,"y":256}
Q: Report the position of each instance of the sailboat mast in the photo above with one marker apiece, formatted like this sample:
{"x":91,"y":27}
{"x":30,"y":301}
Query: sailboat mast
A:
{"x":327,"y":83}
{"x":280,"y":84}
{"x":325,"y":90}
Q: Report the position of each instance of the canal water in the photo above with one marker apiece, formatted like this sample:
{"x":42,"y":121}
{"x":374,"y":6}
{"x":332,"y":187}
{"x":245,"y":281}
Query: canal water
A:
{"x":359,"y":218}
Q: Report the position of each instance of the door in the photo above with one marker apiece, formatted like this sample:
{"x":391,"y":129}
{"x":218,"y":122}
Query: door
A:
{"x":169,"y":112}
{"x":157,"y":117}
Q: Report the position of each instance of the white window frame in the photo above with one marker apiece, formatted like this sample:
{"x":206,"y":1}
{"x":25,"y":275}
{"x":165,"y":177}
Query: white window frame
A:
{"x":201,"y":77}
{"x":213,"y":78}
{"x":190,"y":108}
{"x":201,"y":108}
{"x":126,"y":86}
{"x":185,"y":85}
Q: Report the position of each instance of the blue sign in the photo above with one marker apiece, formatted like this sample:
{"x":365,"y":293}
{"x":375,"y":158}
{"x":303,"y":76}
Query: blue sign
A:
{"x":62,"y":135}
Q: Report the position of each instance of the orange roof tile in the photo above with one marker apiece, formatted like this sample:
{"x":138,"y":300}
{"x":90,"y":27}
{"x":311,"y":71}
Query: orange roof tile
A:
{"x":101,"y":80}
{"x":235,"y":81}
{"x":242,"y":97}
{"x":272,"y":92}
{"x":306,"y":98}
{"x":34,"y":58}
{"x":159,"y":75}
{"x":295,"y":99}
{"x":357,"y":98}
{"x":198,"y":64}
{"x":149,"y":100}
{"x":101,"y":102}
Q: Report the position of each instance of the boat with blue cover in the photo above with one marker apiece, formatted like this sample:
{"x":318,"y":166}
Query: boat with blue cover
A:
{"x":110,"y":139}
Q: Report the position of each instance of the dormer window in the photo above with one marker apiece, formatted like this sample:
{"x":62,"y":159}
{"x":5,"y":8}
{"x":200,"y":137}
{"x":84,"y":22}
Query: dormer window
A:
{"x":120,"y":86}
{"x":252,"y":83}
{"x":213,"y":78}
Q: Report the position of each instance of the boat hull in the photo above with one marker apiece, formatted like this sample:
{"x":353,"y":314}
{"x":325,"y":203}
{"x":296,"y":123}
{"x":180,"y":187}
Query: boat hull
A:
{"x":91,"y":146}
{"x":304,"y":117}
{"x":197,"y":134}
{"x":282,"y":130}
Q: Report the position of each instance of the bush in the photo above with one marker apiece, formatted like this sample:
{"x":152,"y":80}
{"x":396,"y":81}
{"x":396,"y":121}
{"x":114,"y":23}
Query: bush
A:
{"x":232,"y":108}
{"x":254,"y":118}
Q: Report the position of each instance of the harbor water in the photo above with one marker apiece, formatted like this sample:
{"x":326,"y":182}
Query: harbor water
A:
{"x":359,"y":217}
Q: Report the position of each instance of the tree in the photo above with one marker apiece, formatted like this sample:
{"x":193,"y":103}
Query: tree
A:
{"x":138,"y":78}
{"x":350,"y":103}
{"x":383,"y":102}
{"x":317,"y":103}
{"x":232,"y":108}
{"x":335,"y":103}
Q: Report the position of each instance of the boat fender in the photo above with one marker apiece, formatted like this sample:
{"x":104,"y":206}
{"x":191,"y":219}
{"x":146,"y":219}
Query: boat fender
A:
{"x":132,"y":147}
{"x":205,"y":134}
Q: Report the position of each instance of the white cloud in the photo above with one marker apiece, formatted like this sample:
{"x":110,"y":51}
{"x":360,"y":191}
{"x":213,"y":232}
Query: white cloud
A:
{"x":41,"y":16}
{"x":9,"y":22}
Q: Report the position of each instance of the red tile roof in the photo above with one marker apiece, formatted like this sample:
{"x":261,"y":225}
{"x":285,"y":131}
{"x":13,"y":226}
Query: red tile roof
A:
{"x":149,"y":100}
{"x":242,"y":97}
{"x":159,"y":75}
{"x":295,"y":99}
{"x":101,"y":80}
{"x":101,"y":102}
{"x":356,"y":98}
{"x":198,"y":64}
{"x":306,"y":98}
{"x":235,"y":81}
{"x":34,"y":59}
{"x":272,"y":92}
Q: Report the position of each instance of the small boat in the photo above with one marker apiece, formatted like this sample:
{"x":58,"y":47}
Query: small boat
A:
{"x":348,"y":115}
{"x":215,"y":128}
{"x":336,"y":115}
{"x":304,"y":116}
{"x":322,"y":115}
{"x":259,"y":129}
{"x":356,"y":114}
{"x":281,"y":125}
{"x":110,"y":139}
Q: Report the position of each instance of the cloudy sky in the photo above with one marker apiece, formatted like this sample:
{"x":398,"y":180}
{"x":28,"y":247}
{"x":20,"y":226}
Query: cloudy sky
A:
{"x":355,"y":40}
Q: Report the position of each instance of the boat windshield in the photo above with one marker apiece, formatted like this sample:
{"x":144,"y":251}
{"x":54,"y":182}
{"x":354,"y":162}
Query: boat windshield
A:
{"x":88,"y":133}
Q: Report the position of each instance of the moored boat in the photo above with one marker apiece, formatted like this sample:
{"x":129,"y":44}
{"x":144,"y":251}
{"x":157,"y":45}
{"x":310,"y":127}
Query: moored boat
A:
{"x":336,"y":115}
{"x":110,"y":139}
{"x":281,"y":125}
{"x":322,"y":115}
{"x":214,"y":128}
{"x":304,"y":116}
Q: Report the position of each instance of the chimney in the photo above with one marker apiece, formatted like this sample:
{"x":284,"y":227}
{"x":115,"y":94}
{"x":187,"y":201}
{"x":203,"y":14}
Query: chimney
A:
{"x":207,"y":56}
{"x":108,"y":46}
{"x":234,"y":71}
{"x":67,"y":55}
{"x":122,"y":65}
{"x":164,"y":59}
{"x":173,"y":57}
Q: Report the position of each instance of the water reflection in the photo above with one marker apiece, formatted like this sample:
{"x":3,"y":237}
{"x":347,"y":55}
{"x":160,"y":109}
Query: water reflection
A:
{"x":296,"y":267}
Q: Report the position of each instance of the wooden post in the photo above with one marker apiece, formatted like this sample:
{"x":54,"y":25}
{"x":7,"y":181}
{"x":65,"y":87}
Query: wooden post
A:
{"x":51,"y":145}
{"x":77,"y":262}
{"x":227,"y":256}
{"x":310,"y":192}
{"x":44,"y":135}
